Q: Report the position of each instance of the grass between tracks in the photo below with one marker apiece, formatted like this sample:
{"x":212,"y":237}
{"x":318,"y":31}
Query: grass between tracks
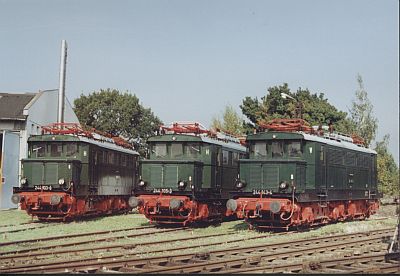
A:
{"x":238,"y":228}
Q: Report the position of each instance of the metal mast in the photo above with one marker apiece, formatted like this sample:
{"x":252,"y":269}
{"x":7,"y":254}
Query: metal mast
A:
{"x":61,"y":89}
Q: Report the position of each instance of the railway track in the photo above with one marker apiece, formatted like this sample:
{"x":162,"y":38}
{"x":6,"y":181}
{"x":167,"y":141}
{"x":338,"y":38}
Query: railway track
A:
{"x":369,"y":263}
{"x":213,"y":260}
{"x":96,"y":240}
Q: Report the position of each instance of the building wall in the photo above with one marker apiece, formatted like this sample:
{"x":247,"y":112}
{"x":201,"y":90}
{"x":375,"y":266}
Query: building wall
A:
{"x":44,"y":110}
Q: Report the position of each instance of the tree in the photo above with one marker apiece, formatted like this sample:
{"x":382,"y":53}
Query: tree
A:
{"x":388,"y":171}
{"x":314,"y":108}
{"x":117,"y":113}
{"x":231,"y":121}
{"x":361,"y":114}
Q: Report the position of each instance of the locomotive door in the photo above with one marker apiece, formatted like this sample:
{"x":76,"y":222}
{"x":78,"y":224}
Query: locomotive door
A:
{"x":217,"y":165}
{"x":323,"y":182}
{"x":93,"y":165}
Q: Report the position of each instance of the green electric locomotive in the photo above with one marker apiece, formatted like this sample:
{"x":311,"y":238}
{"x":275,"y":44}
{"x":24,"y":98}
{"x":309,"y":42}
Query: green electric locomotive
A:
{"x":188,"y":175}
{"x":299,"y":176}
{"x":73,"y":173}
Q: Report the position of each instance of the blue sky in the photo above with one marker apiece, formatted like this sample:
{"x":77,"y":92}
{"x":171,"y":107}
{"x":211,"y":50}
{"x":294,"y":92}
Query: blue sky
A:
{"x":187,"y":60}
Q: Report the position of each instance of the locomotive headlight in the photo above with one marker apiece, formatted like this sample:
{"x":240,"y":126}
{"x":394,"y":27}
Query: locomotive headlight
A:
{"x":283,"y":185}
{"x":142,"y":183}
{"x":240,"y":184}
{"x":61,"y":181}
{"x":182,"y":184}
{"x":55,"y":199}
{"x":16,"y":198}
{"x":23,"y":181}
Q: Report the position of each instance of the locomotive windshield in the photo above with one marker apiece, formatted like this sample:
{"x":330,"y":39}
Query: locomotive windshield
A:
{"x":277,"y":149}
{"x":53,"y":149}
{"x":192,"y":149}
{"x":259,"y":149}
{"x":38,"y":150}
{"x":176,"y":150}
{"x":294,"y":149}
{"x":160,"y":149}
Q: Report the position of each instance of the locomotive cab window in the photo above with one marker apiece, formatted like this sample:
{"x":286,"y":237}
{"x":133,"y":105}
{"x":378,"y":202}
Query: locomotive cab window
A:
{"x":277,"y":149}
{"x":294,"y":149}
{"x":39,"y":150}
{"x":55,"y":149}
{"x":259,"y":149}
{"x":192,"y":149}
{"x":176,"y":150}
{"x":71,"y":149}
{"x":160,"y":149}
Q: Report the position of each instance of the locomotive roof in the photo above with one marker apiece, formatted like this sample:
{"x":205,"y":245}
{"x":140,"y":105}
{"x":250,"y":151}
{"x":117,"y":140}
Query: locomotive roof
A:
{"x":197,"y":138}
{"x":73,"y":138}
{"x":329,"y":139}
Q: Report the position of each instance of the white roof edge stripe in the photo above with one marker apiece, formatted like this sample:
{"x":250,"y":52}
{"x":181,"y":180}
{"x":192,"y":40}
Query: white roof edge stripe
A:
{"x":107,"y":145}
{"x":225,"y":144}
{"x":342,"y":144}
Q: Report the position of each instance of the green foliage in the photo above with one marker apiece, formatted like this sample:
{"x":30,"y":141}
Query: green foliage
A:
{"x":117,"y":113}
{"x":361,"y":114}
{"x":388,"y":171}
{"x":231,"y":122}
{"x":314,"y":108}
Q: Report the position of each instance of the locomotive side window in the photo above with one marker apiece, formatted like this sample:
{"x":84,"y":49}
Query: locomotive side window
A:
{"x":259,"y":149}
{"x":100,"y":157}
{"x":160,"y":149}
{"x":55,"y":149}
{"x":294,"y":149}
{"x":235,"y":158}
{"x":176,"y":149}
{"x":71,"y":149}
{"x":321,"y":154}
{"x":225,"y":157}
{"x":277,"y":149}
{"x":123,"y":160}
{"x":39,"y":150}
{"x":192,"y":149}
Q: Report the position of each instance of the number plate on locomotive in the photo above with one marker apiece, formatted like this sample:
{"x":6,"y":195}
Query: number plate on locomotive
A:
{"x":43,"y":187}
{"x":163,"y":190}
{"x":262,"y":191}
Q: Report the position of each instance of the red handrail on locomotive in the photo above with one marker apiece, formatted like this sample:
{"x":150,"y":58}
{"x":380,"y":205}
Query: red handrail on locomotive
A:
{"x":76,"y":129}
{"x":186,"y":128}
{"x":287,"y":125}
{"x":299,"y":125}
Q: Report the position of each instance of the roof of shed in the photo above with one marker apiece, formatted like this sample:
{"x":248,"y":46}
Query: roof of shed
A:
{"x":12,"y":105}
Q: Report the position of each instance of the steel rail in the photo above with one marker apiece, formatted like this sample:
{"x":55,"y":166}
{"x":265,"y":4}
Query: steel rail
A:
{"x":324,"y":263}
{"x":82,"y":265}
{"x":123,"y":246}
{"x":252,"y":258}
{"x":91,"y":241}
{"x":74,"y":235}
